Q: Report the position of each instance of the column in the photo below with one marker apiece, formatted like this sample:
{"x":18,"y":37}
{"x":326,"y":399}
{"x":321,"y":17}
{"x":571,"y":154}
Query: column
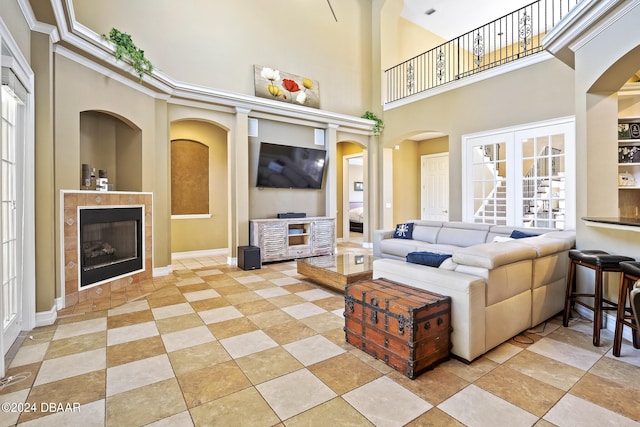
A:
{"x":239,"y":184}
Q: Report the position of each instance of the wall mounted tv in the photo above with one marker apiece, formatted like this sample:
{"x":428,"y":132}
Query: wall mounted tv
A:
{"x":285,"y":166}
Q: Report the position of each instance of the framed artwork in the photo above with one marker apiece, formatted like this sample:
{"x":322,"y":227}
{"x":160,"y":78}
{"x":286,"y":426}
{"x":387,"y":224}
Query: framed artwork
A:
{"x":358,"y":186}
{"x":285,"y":87}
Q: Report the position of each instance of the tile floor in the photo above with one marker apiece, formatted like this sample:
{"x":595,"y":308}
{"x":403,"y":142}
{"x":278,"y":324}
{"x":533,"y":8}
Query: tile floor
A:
{"x":222,"y":346}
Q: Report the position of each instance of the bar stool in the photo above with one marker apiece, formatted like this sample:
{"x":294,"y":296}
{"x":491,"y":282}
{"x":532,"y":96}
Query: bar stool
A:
{"x":630,"y":274}
{"x":601,"y":262}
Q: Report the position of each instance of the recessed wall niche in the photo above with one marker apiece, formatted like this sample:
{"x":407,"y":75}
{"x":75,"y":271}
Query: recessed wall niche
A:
{"x":112,"y":143}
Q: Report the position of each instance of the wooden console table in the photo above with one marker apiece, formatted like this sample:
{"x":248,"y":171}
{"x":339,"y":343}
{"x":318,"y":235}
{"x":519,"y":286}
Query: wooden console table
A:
{"x":281,"y":239}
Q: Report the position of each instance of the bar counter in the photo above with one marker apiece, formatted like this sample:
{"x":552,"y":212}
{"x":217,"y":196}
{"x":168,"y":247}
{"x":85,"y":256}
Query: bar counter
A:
{"x":620,"y":223}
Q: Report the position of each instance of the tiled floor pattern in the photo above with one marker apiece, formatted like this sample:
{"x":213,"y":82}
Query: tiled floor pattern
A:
{"x":222,"y":346}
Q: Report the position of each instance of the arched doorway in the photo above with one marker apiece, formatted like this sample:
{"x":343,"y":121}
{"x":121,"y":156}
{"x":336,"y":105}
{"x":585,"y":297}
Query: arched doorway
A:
{"x":351,"y":189}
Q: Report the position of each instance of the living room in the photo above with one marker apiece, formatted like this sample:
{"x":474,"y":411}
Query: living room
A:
{"x":75,"y":73}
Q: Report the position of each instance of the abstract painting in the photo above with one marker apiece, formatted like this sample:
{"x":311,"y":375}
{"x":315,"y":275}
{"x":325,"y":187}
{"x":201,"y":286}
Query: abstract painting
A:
{"x":274,"y":84}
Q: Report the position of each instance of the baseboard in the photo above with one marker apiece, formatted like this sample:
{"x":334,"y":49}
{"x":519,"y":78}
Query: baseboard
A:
{"x":162,"y":271}
{"x":232,"y":260}
{"x":609,"y":321}
{"x":196,"y":254}
{"x":47,"y":318}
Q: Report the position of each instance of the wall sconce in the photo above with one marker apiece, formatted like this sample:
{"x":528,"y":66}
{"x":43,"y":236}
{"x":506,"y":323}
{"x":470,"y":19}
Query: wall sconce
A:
{"x":397,"y":147}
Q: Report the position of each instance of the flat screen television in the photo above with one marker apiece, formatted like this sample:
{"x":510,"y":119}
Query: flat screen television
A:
{"x":285,"y":166}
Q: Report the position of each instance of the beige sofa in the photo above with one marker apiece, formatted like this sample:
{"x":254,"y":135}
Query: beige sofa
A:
{"x":498,"y":287}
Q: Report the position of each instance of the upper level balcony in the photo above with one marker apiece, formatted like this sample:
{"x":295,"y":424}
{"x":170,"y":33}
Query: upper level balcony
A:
{"x":509,"y":38}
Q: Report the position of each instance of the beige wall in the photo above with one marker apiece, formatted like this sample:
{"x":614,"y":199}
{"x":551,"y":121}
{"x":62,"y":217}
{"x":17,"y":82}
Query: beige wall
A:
{"x":603,"y":65}
{"x":198,"y":44}
{"x":205,"y":233}
{"x":79,"y":89}
{"x":14,"y":20}
{"x":268,"y":202}
{"x":539,"y":92}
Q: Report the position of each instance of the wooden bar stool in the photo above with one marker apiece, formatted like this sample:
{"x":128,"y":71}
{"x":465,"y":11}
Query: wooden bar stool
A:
{"x":601,"y":262}
{"x":630,"y":274}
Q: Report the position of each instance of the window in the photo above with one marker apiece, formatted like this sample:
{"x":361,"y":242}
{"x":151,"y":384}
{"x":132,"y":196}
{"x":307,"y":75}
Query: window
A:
{"x":522,"y":176}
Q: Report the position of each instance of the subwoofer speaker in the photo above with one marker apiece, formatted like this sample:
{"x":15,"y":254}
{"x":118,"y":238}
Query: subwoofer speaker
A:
{"x":249,"y":257}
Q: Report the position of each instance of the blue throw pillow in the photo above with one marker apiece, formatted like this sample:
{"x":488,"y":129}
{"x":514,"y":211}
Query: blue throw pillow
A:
{"x":430,"y":259}
{"x":403,"y":231}
{"x":516,"y":234}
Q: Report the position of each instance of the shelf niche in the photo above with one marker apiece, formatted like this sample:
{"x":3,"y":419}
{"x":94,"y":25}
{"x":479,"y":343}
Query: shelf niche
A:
{"x":112,"y":143}
{"x":629,"y":166}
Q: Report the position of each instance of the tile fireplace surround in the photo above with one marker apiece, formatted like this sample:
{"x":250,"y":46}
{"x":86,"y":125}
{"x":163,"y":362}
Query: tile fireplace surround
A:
{"x":70,"y":200}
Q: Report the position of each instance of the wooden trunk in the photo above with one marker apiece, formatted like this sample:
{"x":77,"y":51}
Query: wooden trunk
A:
{"x":407,"y":328}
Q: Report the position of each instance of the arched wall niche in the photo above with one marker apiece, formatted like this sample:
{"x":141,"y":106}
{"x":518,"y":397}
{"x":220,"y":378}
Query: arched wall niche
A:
{"x":112,"y":143}
{"x":206,"y":232}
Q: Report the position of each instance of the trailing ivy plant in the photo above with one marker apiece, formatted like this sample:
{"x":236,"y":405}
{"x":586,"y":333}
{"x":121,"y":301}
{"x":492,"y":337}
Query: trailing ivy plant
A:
{"x":127,"y":49}
{"x":377,"y":128}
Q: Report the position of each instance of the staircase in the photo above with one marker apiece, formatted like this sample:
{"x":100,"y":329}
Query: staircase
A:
{"x":544,"y":206}
{"x":494,"y":209}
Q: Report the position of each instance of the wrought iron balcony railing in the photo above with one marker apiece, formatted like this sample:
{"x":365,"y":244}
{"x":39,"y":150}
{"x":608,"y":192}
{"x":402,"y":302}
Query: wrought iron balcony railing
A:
{"x":509,"y":38}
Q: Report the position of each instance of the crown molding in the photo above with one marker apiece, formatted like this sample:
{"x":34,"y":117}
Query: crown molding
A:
{"x":35,"y":25}
{"x":582,"y":24}
{"x":162,"y":86}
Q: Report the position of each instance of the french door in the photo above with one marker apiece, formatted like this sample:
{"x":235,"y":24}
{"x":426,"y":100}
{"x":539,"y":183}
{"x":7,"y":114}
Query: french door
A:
{"x":521,"y":176}
{"x":17,"y":205}
{"x":11,"y":106}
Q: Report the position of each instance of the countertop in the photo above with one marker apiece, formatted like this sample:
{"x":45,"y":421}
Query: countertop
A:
{"x":632,"y":224}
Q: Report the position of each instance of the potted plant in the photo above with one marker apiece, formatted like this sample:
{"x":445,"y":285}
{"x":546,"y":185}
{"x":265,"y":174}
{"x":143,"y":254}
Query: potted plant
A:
{"x":377,"y":127}
{"x":127,"y":49}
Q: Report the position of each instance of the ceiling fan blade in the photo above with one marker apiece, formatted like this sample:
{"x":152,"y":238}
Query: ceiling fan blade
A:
{"x":332,"y":12}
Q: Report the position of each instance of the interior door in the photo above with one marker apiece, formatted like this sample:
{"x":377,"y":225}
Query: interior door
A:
{"x":434,"y":187}
{"x":12,"y":107}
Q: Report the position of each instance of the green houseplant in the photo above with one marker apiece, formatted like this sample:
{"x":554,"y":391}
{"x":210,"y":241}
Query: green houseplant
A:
{"x":377,"y":128}
{"x":127,"y":49}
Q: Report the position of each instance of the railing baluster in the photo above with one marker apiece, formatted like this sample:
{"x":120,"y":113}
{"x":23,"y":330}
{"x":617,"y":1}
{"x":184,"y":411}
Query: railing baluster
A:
{"x":506,"y":39}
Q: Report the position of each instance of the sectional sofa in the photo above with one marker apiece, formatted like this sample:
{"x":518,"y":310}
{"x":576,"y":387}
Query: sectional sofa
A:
{"x":499,"y":286}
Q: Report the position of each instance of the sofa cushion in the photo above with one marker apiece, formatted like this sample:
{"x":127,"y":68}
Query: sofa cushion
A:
{"x":492,"y":255}
{"x":463,"y":234}
{"x":398,"y":247}
{"x":430,"y":259}
{"x":426,"y":231}
{"x":403,"y":231}
{"x":545,"y":245}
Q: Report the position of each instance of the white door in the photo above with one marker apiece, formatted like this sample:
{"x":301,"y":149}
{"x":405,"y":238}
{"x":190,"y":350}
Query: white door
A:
{"x":434,"y":187}
{"x":11,"y":292}
{"x":522,"y":176}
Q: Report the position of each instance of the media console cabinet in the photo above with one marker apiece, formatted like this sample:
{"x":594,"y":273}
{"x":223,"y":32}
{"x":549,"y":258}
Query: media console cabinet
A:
{"x":282,"y":239}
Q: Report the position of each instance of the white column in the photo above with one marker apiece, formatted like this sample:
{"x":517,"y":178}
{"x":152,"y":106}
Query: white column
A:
{"x":238,"y":157}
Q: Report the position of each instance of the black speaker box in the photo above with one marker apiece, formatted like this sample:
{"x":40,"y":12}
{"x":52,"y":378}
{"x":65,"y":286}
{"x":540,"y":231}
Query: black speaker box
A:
{"x":249,"y":257}
{"x":292,"y":215}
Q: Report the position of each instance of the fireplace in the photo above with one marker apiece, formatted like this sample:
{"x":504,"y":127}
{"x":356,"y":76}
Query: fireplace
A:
{"x":111,"y":243}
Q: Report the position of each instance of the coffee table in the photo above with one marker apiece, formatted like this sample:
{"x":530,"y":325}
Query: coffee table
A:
{"x":336,"y":271}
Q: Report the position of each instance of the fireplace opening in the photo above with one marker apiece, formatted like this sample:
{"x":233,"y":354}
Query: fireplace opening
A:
{"x":110,"y":243}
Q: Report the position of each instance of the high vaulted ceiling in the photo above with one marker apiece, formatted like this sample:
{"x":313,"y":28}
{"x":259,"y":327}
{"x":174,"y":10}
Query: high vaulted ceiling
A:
{"x":452,"y":18}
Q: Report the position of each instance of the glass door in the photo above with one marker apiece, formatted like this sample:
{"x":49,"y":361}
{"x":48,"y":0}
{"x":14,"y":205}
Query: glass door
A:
{"x":543,"y":168}
{"x":12,"y":113}
{"x":522,"y":176}
{"x":487,"y":192}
